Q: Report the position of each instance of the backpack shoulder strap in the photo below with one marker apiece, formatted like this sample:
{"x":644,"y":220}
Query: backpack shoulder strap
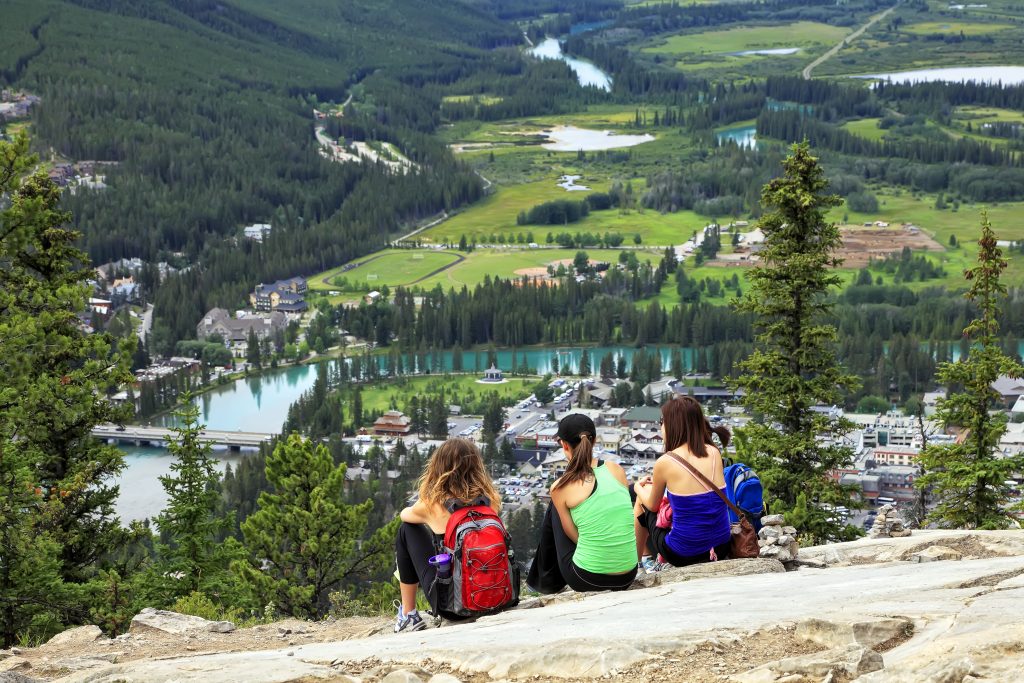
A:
{"x":451,"y":505}
{"x":707,"y":484}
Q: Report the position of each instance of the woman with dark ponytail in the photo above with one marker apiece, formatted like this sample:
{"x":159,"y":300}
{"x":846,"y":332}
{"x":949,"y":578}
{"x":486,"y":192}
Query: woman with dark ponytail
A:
{"x":587,"y":538}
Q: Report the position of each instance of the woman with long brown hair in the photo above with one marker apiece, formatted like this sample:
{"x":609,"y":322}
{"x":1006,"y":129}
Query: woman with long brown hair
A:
{"x":587,"y":538}
{"x":455,"y":472}
{"x":700,"y":529}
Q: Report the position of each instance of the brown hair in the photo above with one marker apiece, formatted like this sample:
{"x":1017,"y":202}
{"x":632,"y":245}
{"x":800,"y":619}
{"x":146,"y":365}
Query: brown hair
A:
{"x":456,"y":471}
{"x":685,"y":423}
{"x":579,"y":432}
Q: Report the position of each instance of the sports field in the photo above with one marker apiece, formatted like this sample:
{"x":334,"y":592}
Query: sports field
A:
{"x":390,"y":267}
{"x":797,"y":34}
{"x":458,"y":389}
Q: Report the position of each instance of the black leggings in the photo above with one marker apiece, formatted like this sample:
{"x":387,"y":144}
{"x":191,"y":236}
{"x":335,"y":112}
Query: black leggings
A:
{"x":553,"y":568}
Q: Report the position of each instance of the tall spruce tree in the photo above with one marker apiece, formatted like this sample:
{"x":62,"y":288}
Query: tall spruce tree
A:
{"x":56,"y":498}
{"x":190,"y":558}
{"x":794,"y":367}
{"x":303,"y":541}
{"x":967,"y":478}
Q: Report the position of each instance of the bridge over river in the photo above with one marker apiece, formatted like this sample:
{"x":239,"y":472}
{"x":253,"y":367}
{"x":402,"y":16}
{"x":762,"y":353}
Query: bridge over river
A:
{"x":157,"y":436}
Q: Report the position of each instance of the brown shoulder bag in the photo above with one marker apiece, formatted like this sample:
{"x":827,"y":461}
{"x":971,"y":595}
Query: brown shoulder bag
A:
{"x":744,"y":538}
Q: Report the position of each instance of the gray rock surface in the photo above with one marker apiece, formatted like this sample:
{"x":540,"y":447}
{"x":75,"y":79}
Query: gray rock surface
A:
{"x":15,"y":677}
{"x":966,"y":616}
{"x":151,"y":619}
{"x":849,"y":662}
{"x":15,"y":664}
{"x":83,"y":635}
{"x":870,"y":633}
{"x":936,"y":553}
{"x":402,"y":676}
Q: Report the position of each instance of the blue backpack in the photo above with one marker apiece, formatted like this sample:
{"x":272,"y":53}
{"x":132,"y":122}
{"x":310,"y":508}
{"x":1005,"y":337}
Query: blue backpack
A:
{"x":745,"y":491}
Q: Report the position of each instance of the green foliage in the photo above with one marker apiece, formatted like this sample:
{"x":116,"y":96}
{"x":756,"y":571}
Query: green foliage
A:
{"x":542,"y":391}
{"x":56,"y":507}
{"x":967,"y":478}
{"x":794,"y":366}
{"x":303,"y":541}
{"x":873,"y":404}
{"x":191,"y":558}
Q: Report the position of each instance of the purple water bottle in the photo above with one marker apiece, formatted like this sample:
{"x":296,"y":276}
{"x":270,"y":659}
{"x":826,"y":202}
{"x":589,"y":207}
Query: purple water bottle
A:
{"x":443,"y":564}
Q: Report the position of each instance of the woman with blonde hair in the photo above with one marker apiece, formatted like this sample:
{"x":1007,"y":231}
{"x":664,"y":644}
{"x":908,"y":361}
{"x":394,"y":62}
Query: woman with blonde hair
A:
{"x":455,"y":472}
{"x":587,"y":537}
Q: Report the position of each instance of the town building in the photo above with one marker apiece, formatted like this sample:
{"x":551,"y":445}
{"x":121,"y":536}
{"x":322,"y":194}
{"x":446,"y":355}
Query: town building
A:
{"x":895,"y":455}
{"x":642,"y":416}
{"x":235,"y":331}
{"x":257,"y":231}
{"x":284,"y":295}
{"x":1009,"y":388}
{"x":392,"y":423}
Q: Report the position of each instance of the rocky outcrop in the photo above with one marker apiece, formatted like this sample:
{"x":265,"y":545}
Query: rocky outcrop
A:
{"x":151,"y":619}
{"x":867,"y":616}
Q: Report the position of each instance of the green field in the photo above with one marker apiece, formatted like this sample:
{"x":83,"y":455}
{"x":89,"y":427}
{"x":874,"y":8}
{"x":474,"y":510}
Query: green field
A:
{"x":505,"y":262}
{"x":496,"y":214}
{"x":865,"y":128}
{"x":979,"y":115}
{"x":458,"y":389}
{"x":955,"y":27}
{"x":391,"y":267}
{"x":798,"y":34}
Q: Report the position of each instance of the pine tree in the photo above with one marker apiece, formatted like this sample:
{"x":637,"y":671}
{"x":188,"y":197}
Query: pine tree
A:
{"x":190,"y":558}
{"x":252,"y":349}
{"x":56,"y":503}
{"x":584,"y":363}
{"x":967,"y":478}
{"x":303,"y":542}
{"x":794,"y":366}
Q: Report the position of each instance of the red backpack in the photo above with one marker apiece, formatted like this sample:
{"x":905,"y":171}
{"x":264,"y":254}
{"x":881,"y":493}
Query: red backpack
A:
{"x":484,"y":575}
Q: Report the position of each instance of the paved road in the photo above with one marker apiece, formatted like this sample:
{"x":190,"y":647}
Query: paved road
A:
{"x":846,"y":41}
{"x":147,"y":323}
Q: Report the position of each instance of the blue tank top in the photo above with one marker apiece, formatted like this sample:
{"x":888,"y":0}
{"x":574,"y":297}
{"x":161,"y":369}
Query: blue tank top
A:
{"x":699,"y":523}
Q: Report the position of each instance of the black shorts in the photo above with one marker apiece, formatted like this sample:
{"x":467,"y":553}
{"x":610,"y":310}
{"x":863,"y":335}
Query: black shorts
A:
{"x":656,"y":543}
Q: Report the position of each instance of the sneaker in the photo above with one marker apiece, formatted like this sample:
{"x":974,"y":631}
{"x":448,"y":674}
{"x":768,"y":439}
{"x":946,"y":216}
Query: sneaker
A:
{"x":650,"y":566}
{"x":408,"y":622}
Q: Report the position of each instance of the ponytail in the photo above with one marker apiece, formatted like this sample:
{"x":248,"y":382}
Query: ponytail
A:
{"x":579,"y":467}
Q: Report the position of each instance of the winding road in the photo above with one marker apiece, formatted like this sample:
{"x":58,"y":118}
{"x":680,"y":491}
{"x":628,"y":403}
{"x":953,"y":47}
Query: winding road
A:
{"x":846,"y":41}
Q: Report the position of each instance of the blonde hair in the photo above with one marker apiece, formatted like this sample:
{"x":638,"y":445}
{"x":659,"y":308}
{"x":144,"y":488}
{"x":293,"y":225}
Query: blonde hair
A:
{"x":456,"y":471}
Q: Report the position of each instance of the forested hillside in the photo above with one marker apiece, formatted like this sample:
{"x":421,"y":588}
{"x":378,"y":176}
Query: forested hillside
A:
{"x":207,"y":107}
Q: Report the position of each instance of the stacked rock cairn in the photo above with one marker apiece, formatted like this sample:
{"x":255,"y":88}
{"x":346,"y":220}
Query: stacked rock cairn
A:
{"x":776,"y":540}
{"x":888,"y":524}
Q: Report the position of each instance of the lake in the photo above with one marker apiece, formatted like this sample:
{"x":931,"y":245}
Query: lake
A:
{"x":572,"y":139}
{"x":587,"y":73}
{"x":744,"y":136}
{"x":1007,"y":75}
{"x":261,"y":404}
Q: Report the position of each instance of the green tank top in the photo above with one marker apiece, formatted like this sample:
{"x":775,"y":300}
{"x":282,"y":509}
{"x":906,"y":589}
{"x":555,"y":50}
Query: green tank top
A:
{"x":607,"y":542}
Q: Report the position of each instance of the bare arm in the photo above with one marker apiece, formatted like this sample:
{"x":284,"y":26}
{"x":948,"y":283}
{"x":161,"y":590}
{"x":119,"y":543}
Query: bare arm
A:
{"x":417,"y":513}
{"x":568,"y":526}
{"x":650,"y":496}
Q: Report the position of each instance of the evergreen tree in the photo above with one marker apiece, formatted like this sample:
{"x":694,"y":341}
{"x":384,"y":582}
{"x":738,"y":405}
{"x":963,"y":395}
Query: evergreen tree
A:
{"x":252,"y":349}
{"x":303,"y":542}
{"x":56,"y":502}
{"x":794,"y":367}
{"x":584,"y":363}
{"x":967,"y":478}
{"x":190,"y":558}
